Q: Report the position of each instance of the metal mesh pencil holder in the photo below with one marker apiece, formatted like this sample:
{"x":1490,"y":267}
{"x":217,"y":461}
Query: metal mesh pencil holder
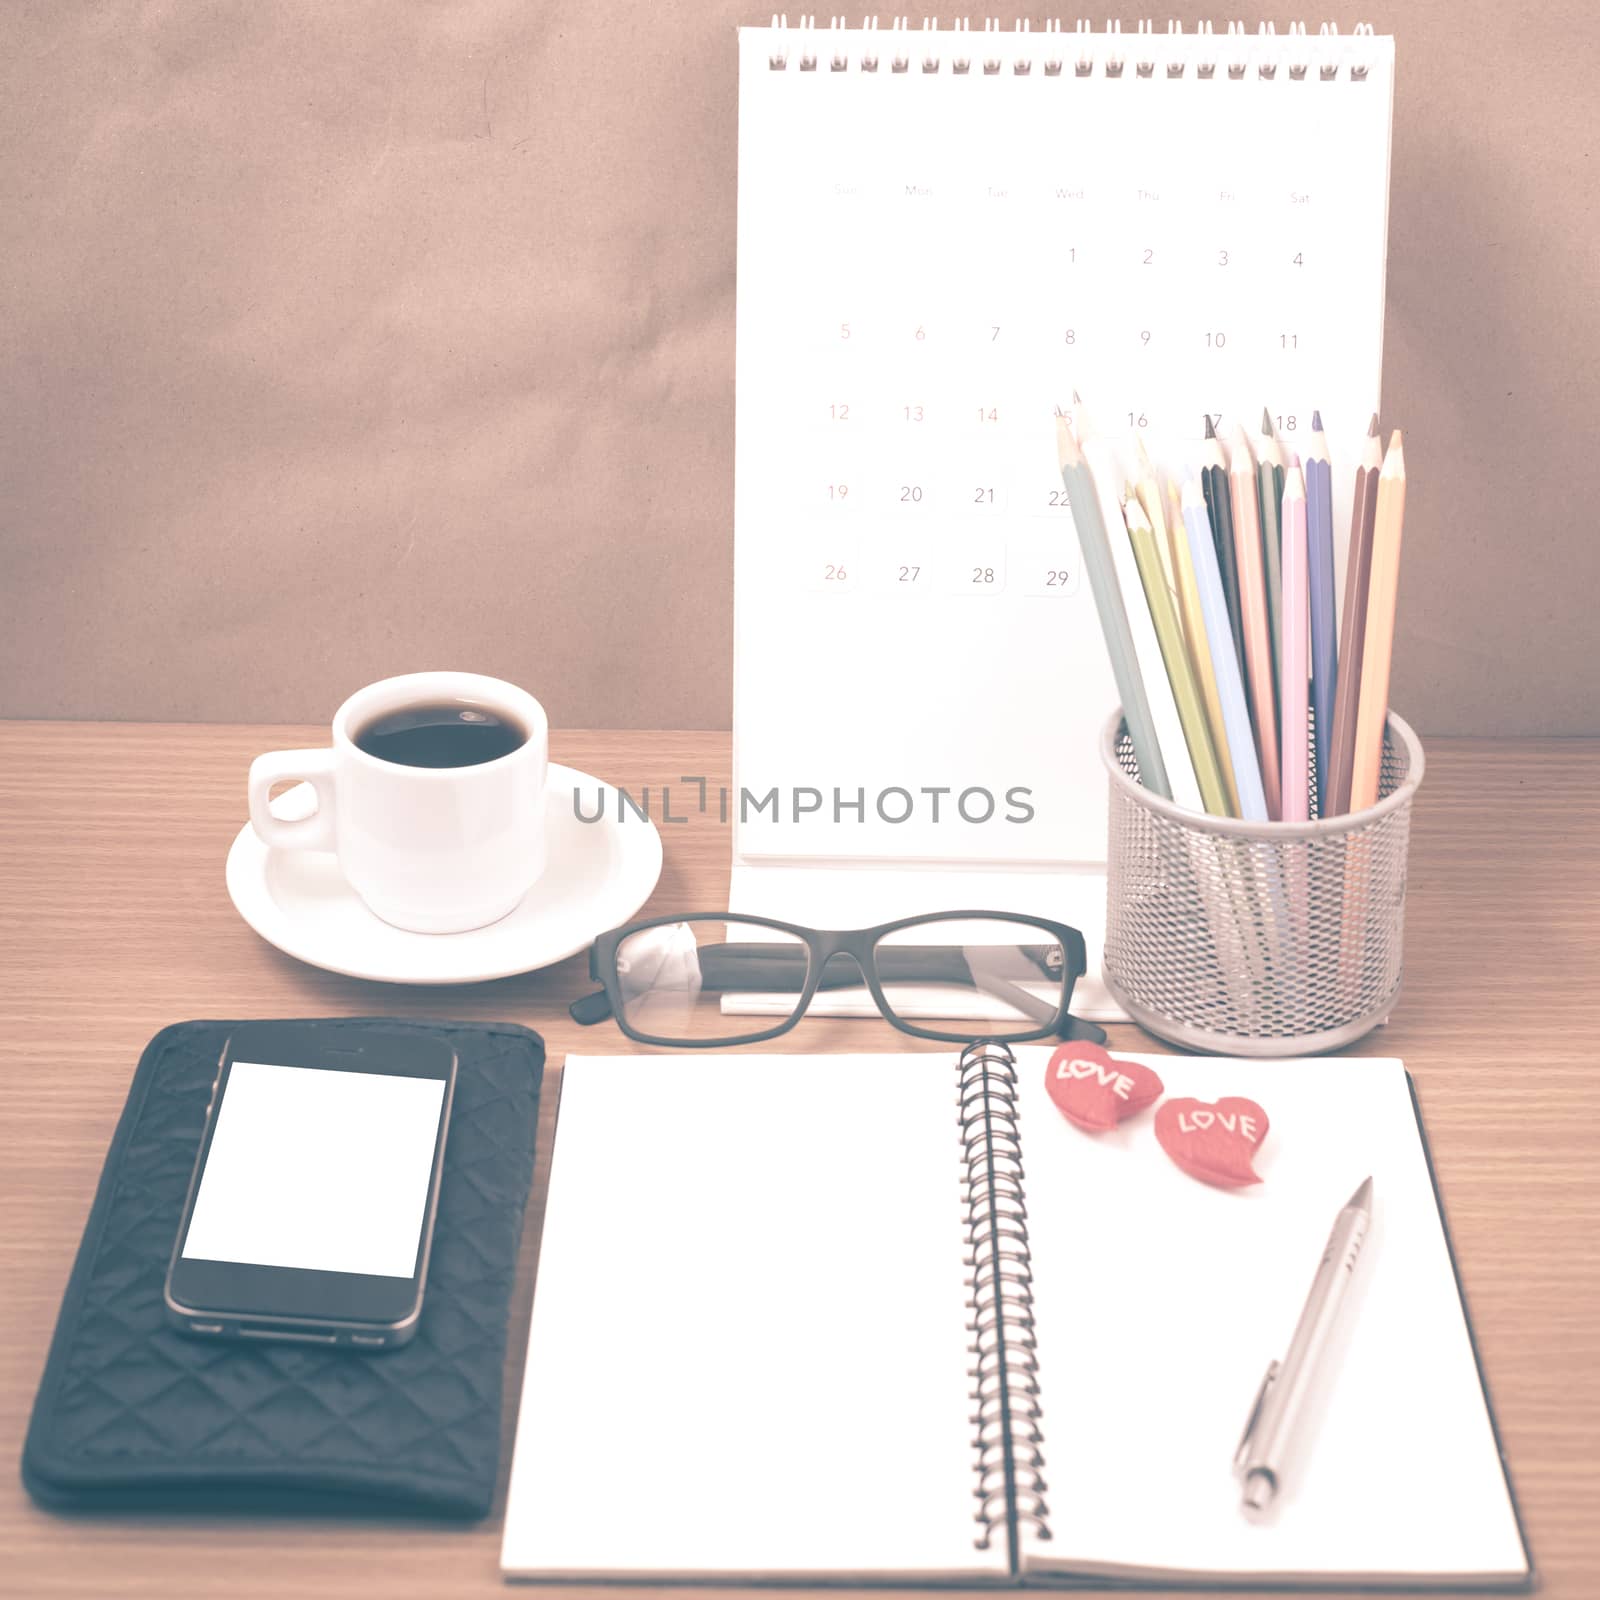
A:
{"x":1257,"y":939}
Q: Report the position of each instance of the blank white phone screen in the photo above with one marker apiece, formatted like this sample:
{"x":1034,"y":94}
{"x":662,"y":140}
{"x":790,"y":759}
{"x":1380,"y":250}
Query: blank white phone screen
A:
{"x":318,"y":1169}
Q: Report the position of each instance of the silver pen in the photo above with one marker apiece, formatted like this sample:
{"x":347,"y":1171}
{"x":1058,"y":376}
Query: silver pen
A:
{"x":1269,"y":1431}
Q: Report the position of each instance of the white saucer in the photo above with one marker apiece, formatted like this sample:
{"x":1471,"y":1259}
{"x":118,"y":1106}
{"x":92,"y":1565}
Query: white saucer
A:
{"x":599,"y":874}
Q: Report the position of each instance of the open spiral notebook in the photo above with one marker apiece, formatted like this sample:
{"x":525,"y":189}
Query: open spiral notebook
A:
{"x":891,"y":1319}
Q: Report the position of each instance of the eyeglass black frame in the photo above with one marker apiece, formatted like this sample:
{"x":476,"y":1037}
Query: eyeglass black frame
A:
{"x":823,"y":944}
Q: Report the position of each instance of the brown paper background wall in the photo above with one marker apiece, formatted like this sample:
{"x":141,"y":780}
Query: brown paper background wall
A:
{"x":341,"y":340}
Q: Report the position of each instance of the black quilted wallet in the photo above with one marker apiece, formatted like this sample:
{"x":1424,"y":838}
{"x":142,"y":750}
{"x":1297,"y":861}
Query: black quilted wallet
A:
{"x":131,"y":1414}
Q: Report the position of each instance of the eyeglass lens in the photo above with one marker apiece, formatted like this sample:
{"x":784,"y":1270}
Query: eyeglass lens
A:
{"x":994,"y":976}
{"x":709,"y":978}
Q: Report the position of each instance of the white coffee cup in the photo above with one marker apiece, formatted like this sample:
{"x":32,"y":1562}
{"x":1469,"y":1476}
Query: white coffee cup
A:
{"x":429,"y":849}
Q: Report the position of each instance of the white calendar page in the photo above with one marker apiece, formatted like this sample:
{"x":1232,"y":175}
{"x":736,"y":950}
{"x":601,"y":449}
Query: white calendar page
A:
{"x":929,"y":264}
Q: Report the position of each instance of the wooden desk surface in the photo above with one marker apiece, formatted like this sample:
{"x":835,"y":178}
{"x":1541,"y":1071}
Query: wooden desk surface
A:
{"x":116,"y":922}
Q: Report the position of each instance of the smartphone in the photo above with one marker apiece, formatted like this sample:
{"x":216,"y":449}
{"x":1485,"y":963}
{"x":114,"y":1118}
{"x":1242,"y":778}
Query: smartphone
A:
{"x":310,"y":1213}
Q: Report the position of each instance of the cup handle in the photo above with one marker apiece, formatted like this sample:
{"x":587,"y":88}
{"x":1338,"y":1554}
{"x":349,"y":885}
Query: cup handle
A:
{"x":278,"y":766}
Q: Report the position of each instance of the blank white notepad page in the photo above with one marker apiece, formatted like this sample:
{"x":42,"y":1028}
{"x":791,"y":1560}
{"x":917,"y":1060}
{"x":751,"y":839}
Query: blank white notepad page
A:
{"x":748,"y":1349}
{"x":1160,"y":1302}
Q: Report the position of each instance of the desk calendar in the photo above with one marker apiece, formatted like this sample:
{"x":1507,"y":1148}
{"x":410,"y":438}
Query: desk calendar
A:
{"x":942,"y":234}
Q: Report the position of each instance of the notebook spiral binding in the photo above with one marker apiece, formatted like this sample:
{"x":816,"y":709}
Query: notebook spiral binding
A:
{"x":1081,"y":49}
{"x":1008,"y":1439}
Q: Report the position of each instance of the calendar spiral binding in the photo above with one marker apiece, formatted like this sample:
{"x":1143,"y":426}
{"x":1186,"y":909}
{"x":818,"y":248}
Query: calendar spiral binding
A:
{"x":1008,"y":1439}
{"x":1324,"y":54}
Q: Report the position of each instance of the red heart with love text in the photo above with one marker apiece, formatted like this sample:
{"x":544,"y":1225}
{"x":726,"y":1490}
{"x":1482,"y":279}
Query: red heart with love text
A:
{"x":1094,"y":1091}
{"x":1214,"y":1142}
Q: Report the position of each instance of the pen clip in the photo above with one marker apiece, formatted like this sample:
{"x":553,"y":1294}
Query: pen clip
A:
{"x":1255,"y":1416}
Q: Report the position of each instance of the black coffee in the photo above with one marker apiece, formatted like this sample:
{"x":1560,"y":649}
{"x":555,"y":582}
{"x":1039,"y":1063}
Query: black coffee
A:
{"x":450,"y":734}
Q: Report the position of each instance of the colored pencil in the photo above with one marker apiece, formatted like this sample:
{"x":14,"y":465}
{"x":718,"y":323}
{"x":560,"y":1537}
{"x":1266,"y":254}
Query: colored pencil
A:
{"x":1175,"y":515}
{"x":1240,"y":740}
{"x":1169,"y":632}
{"x":1353,"y":623}
{"x":1294,"y":660}
{"x":1270,"y":462}
{"x":1219,"y":507}
{"x":1319,"y":577}
{"x":1192,"y":616}
{"x":1095,"y":545}
{"x":1253,"y":611}
{"x":1382,"y":591}
{"x":1148,"y":489}
{"x":1106,"y":473}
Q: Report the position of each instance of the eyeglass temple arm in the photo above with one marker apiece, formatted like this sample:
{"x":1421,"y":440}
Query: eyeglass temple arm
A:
{"x":589,"y":1009}
{"x":775,"y":969}
{"x":760,"y":970}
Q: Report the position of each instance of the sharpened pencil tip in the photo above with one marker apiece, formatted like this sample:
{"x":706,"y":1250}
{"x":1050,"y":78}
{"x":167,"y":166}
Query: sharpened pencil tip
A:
{"x":1316,"y":422}
{"x":1067,"y":451}
{"x":1077,"y":400}
{"x":1266,"y":422}
{"x":1211,"y":431}
{"x":1372,"y":427}
{"x":1361,"y":1200}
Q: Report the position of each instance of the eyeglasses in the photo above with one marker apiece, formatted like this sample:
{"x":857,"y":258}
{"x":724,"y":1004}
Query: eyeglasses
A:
{"x":964,"y":975}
